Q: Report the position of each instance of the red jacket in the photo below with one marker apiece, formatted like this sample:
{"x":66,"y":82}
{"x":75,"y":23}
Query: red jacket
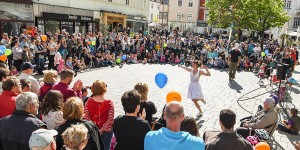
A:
{"x":7,"y":103}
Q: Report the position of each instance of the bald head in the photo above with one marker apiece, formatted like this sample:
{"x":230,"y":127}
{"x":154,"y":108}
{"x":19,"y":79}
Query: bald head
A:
{"x":174,"y":110}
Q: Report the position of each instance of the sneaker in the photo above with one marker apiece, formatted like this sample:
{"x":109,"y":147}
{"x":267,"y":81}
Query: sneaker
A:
{"x":199,"y":114}
{"x":203,"y":101}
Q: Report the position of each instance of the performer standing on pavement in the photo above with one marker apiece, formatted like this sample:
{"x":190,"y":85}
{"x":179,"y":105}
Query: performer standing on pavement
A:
{"x":195,"y":91}
{"x":234,"y":59}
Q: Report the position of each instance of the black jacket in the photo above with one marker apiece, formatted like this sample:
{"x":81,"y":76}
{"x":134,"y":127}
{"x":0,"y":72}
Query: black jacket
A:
{"x":16,"y":129}
{"x":95,"y":141}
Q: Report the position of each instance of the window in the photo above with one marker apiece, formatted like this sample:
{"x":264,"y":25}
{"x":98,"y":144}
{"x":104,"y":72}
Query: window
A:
{"x":191,"y":3}
{"x":287,"y":3}
{"x":179,"y":3}
{"x":165,"y":15}
{"x":296,"y":22}
{"x":152,"y":5}
{"x":179,"y":16}
{"x":127,"y":2}
{"x":157,"y":7}
{"x":27,"y":6}
{"x":189,"y":17}
{"x":206,"y":17}
{"x":109,"y":0}
{"x":151,"y":17}
{"x":165,"y":2}
{"x":160,"y":15}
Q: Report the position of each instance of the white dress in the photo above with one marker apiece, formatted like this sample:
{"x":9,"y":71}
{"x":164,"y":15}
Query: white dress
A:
{"x":195,"y":91}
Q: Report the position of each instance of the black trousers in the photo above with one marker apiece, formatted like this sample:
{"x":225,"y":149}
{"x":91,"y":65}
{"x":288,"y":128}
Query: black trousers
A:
{"x":17,"y":64}
{"x":51,"y":62}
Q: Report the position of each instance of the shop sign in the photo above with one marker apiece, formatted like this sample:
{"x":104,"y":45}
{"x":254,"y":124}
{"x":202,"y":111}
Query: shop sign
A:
{"x":40,"y":22}
{"x":86,"y":18}
{"x":67,"y":17}
{"x":72,"y":17}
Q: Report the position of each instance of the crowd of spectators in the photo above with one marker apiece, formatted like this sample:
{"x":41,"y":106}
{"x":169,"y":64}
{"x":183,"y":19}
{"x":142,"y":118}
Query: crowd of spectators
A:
{"x":50,"y":114}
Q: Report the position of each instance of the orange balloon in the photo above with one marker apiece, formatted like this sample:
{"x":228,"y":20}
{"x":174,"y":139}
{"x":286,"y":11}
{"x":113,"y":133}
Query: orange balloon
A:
{"x":262,"y":146}
{"x":173,"y":96}
{"x":44,"y":38}
{"x":3,"y":58}
{"x":89,"y":42}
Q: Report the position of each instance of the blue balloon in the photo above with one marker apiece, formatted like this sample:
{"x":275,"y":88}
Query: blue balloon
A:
{"x":266,"y":52}
{"x":2,"y":49}
{"x":161,"y":80}
{"x":1,"y":53}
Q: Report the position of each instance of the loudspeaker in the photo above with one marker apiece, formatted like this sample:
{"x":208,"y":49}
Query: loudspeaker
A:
{"x":281,"y":71}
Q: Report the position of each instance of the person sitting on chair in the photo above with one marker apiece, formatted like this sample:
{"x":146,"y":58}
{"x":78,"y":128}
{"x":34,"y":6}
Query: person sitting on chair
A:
{"x":265,"y":119}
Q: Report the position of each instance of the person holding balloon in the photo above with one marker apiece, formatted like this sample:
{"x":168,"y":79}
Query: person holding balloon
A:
{"x":195,"y":91}
{"x":52,"y":47}
{"x":17,"y":55}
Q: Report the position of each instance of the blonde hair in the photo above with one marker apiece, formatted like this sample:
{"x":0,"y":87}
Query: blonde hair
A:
{"x":49,"y":76}
{"x":74,"y":136}
{"x":73,"y":109}
{"x":142,"y":89}
{"x":99,"y":87}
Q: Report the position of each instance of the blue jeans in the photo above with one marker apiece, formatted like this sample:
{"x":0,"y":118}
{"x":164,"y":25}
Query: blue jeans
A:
{"x":41,"y":64}
{"x":106,"y":138}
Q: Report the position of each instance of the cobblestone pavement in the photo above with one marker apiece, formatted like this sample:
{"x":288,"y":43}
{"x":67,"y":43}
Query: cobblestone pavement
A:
{"x":218,"y":91}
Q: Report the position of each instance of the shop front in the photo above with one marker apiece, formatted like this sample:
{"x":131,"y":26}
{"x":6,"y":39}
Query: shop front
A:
{"x":69,"y":23}
{"x":136,"y":23}
{"x":15,"y":16}
{"x":114,"y":21}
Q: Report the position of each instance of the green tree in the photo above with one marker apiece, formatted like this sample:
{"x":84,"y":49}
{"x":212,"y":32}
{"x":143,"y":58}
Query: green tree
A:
{"x":223,"y":13}
{"x":265,"y":14}
{"x":257,"y":15}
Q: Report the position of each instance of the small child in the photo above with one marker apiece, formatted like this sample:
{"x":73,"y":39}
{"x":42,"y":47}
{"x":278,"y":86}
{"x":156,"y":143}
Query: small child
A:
{"x":61,"y":65}
{"x":144,"y":61}
{"x":69,"y":63}
{"x":85,"y":94}
{"x":177,"y":60}
{"x":14,"y":71}
{"x":162,"y":59}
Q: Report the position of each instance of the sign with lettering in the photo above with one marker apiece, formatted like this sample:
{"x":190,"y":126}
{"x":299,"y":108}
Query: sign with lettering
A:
{"x":67,"y":17}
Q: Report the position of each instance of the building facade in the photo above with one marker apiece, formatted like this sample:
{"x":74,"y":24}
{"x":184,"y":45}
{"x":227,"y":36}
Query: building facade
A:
{"x":202,"y":25}
{"x":90,"y":15}
{"x":154,"y":7}
{"x":183,"y":14}
{"x":293,"y":9}
{"x":15,"y":15}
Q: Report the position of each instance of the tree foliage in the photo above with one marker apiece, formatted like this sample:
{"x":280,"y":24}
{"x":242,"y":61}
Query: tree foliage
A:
{"x":247,"y":14}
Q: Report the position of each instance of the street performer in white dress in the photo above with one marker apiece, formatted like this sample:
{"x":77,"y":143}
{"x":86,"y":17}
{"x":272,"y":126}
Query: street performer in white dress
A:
{"x":195,"y":92}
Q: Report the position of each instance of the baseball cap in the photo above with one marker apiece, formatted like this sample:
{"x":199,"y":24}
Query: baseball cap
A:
{"x":270,"y":101}
{"x":27,"y":65}
{"x":173,"y":96}
{"x":42,"y":137}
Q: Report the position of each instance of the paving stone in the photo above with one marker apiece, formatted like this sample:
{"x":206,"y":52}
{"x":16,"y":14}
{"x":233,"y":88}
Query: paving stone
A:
{"x":218,"y":92}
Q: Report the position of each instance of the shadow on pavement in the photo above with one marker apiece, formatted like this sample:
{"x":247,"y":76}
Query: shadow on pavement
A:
{"x":234,"y":85}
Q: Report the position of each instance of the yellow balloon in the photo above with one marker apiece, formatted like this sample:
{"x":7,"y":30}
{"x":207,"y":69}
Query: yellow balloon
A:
{"x":44,"y":38}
